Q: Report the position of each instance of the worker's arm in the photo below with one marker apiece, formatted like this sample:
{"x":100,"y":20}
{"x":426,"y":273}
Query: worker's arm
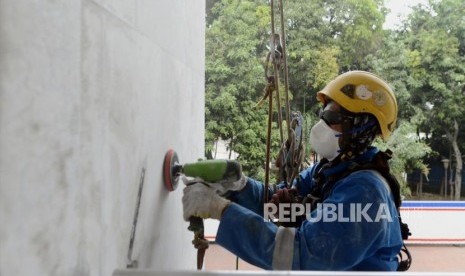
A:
{"x":235,"y":234}
{"x":250,"y":195}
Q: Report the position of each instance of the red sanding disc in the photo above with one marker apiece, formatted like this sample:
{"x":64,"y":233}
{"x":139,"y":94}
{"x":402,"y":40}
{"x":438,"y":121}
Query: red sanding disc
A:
{"x":169,"y":175}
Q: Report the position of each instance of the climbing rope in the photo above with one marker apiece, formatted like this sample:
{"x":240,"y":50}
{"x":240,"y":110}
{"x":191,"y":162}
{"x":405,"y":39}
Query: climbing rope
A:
{"x":272,"y":85}
{"x":284,"y":57}
{"x":291,"y":153}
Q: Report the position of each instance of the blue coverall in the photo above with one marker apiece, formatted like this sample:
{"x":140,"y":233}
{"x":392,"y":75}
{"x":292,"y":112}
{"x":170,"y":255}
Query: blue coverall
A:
{"x":359,"y":244}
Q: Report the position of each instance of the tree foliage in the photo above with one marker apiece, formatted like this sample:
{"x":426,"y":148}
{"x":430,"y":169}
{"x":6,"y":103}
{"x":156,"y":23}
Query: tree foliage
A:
{"x":235,"y":42}
{"x":435,"y":42}
{"x":409,"y":152}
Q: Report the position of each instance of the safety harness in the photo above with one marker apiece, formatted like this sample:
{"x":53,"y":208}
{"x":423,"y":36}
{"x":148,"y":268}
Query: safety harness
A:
{"x":325,"y":185}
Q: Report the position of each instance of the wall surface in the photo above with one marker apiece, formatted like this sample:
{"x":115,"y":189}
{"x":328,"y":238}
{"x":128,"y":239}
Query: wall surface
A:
{"x":91,"y":93}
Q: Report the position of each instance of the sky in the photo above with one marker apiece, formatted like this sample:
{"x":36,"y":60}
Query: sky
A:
{"x":399,"y":10}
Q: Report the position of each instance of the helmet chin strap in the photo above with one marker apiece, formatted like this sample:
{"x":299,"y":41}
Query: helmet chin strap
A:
{"x":346,"y":138}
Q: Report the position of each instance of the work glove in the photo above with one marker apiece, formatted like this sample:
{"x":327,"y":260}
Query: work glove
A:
{"x":224,"y":187}
{"x":201,"y":200}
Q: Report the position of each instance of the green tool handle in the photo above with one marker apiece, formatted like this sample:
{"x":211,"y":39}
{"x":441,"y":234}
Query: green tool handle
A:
{"x":214,"y":170}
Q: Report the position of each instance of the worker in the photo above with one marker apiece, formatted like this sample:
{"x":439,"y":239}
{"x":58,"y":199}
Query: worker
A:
{"x":354,"y":226}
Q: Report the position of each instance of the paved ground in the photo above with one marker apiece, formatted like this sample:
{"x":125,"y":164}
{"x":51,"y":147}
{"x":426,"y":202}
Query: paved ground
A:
{"x":425,"y":258}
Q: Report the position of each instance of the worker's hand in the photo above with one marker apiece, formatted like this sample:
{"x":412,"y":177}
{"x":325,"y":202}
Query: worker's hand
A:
{"x":287,"y":196}
{"x":200,"y":200}
{"x":282,"y":196}
{"x":224,"y":187}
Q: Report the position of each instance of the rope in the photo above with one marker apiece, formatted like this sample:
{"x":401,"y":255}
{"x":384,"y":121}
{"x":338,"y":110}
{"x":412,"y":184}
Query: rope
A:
{"x":290,"y":155}
{"x":272,"y":82}
{"x":284,"y":57}
{"x":268,"y":146}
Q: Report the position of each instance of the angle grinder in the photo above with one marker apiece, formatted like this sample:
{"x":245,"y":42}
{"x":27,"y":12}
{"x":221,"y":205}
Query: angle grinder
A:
{"x":211,"y":171}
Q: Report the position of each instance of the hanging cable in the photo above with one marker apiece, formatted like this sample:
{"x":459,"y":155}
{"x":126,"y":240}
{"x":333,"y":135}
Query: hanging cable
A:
{"x":290,"y":155}
{"x":284,"y":59}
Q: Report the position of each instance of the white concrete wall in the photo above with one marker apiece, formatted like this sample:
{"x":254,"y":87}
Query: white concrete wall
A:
{"x":92,"y":92}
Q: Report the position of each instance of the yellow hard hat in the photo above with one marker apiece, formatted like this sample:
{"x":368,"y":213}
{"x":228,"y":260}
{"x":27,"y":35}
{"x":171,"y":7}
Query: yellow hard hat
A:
{"x":363,"y":92}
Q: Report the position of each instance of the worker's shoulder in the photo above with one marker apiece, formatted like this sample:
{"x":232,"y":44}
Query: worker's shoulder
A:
{"x":365,"y":179}
{"x":365,"y":173}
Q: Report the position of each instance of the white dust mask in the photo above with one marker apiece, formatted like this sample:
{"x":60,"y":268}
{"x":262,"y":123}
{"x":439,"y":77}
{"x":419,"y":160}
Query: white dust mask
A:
{"x":325,"y":140}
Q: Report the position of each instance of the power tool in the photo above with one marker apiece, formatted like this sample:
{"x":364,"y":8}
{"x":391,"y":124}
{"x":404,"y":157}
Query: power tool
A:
{"x":211,"y":171}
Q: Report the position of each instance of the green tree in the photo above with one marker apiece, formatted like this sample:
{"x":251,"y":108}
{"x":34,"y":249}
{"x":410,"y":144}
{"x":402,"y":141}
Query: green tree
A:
{"x":236,"y":37}
{"x":435,"y":42}
{"x":326,"y":37}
